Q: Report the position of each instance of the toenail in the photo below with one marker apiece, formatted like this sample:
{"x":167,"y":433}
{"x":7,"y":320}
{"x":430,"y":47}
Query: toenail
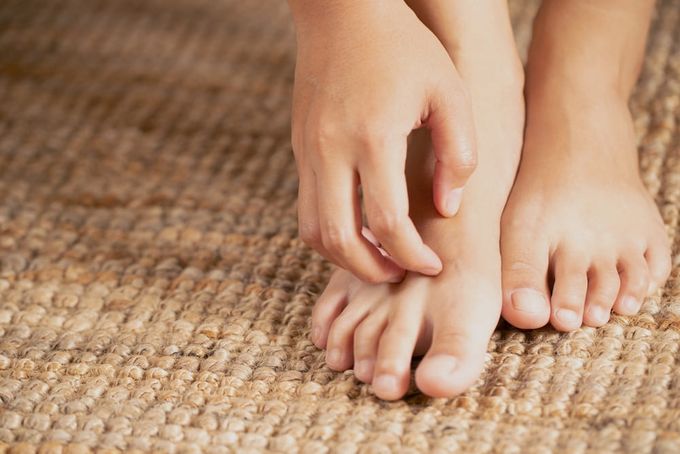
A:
{"x":363,"y":368}
{"x":629,"y":304}
{"x":453,"y":201}
{"x":386,"y":383}
{"x":567,"y":316}
{"x":599,"y":314}
{"x":528,"y":300}
{"x":334,"y":356}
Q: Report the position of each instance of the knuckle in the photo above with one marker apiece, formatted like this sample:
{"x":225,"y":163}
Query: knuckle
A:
{"x":322,"y":140}
{"x":373,"y":139}
{"x":467,"y":160}
{"x":339,"y":328}
{"x":397,"y":330}
{"x":361,"y":334}
{"x":452,"y":338}
{"x":389,"y":366}
{"x":310,"y":234}
{"x":385,"y":223}
{"x":524,"y":267}
{"x":606,"y":294}
{"x":636,"y":283}
{"x":337,"y":238}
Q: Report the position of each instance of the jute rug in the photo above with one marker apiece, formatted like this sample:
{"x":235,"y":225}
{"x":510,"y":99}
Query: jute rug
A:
{"x":154,"y":294}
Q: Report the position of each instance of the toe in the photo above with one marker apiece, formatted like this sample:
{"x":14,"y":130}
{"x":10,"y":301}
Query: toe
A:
{"x":392,"y":371}
{"x":658,"y":258}
{"x":525,"y":268}
{"x":329,"y":306}
{"x":341,"y":335}
{"x":366,"y":341}
{"x":603,"y":287}
{"x":634,"y":276}
{"x":460,"y":337}
{"x":569,"y":291}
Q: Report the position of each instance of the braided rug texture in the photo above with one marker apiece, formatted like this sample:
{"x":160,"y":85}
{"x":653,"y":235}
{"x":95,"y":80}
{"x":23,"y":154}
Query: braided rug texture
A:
{"x":154,"y":295}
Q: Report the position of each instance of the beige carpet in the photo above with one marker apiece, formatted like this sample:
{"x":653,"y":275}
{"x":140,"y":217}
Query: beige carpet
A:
{"x":153,"y":293}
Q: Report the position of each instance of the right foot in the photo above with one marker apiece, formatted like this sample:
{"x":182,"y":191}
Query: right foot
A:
{"x":450,"y":317}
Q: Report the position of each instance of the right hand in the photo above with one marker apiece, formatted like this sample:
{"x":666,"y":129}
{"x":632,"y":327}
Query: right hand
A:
{"x":367,"y":74}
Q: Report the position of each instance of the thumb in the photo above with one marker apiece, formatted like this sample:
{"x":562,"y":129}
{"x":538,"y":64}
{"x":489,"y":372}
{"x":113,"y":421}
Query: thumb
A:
{"x":453,"y":140}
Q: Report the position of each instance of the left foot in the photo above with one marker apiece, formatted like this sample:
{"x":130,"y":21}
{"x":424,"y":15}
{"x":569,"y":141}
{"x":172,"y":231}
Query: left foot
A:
{"x":449,"y":318}
{"x":580,"y":235}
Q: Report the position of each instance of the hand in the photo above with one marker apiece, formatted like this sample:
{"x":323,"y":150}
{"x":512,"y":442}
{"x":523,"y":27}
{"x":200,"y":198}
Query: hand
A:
{"x":368,"y":73}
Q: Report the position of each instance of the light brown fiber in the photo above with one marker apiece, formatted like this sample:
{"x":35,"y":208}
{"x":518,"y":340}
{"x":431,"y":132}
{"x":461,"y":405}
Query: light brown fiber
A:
{"x":154,"y":295}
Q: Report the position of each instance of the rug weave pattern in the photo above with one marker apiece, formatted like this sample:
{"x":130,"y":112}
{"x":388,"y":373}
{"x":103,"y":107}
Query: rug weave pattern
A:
{"x":154,"y":294}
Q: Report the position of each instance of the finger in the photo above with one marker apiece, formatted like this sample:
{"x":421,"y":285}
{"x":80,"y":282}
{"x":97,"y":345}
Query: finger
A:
{"x":453,"y":140}
{"x":340,"y":225}
{"x":308,"y":216}
{"x":387,"y":207}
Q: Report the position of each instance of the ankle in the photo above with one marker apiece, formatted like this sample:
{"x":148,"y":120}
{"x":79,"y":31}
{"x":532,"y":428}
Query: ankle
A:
{"x":591,"y":45}
{"x":571,"y":92}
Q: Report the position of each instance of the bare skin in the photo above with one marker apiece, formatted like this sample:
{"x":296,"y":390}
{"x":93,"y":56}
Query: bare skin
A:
{"x":449,"y":318}
{"x":580,"y":234}
{"x":360,"y":89}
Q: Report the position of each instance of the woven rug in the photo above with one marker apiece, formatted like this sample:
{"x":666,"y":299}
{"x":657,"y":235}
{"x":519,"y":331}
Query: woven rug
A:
{"x":154,"y":294}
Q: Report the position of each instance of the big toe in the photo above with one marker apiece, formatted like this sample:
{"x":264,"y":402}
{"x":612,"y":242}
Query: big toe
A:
{"x":460,"y":336}
{"x":525,"y":290}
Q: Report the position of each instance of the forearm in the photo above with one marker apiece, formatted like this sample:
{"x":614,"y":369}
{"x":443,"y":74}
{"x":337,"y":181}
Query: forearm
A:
{"x":473,"y":31}
{"x":319,"y":15}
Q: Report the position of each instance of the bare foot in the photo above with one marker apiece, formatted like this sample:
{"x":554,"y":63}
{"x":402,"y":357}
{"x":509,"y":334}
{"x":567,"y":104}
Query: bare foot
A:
{"x":449,"y":318}
{"x":580,"y":234}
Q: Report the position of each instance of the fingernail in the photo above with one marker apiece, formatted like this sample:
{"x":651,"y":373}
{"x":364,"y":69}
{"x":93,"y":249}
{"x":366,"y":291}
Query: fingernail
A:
{"x":334,"y":356}
{"x":434,"y":265}
{"x":630,"y":305}
{"x":386,"y":383}
{"x":528,"y":300}
{"x":567,"y":316}
{"x":364,"y":368}
{"x":599,"y":314}
{"x":453,"y":201}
